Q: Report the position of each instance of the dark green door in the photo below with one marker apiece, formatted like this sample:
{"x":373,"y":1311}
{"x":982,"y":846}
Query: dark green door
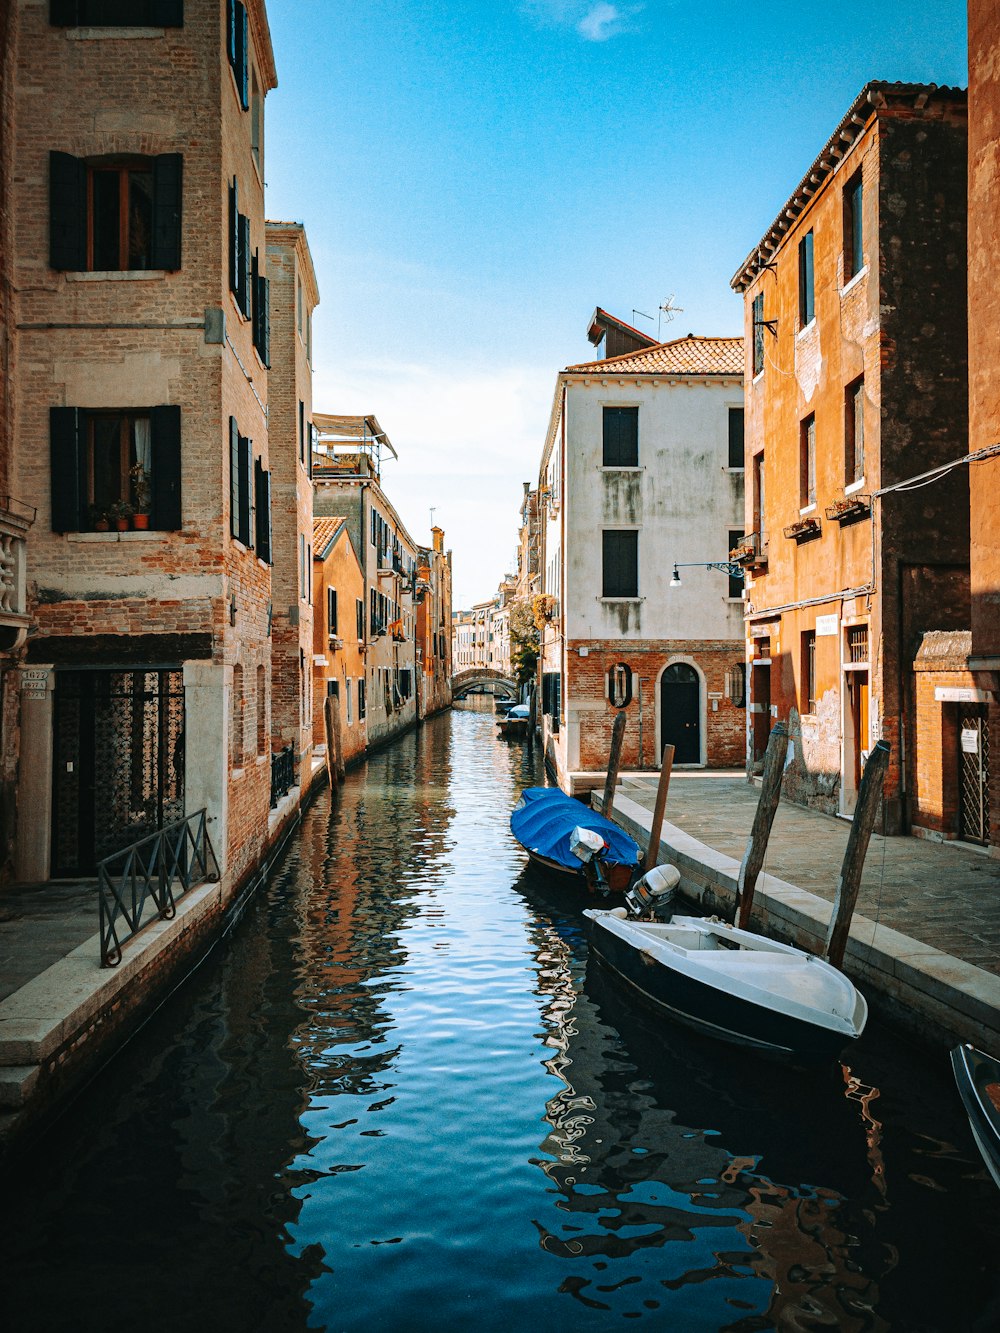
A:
{"x":680,"y":713}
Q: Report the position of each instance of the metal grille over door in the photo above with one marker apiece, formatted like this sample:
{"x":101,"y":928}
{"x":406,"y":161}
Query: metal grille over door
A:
{"x":974,"y":774}
{"x":119,"y":762}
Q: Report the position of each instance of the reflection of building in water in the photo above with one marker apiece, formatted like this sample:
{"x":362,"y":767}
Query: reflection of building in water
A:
{"x":639,"y":1148}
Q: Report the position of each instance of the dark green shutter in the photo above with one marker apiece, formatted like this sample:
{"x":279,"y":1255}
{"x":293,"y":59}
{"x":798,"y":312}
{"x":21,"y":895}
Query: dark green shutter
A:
{"x":262,"y":484}
{"x":231,"y":32}
{"x":234,"y":478}
{"x":242,"y":55}
{"x":166,"y":13}
{"x":244,"y":453}
{"x":264,"y":301}
{"x":621,"y":437}
{"x":165,"y":425}
{"x":67,"y":213}
{"x":234,"y":238}
{"x":254,"y":302}
{"x":243,"y":261}
{"x":167,"y":174}
{"x":736,"y":437}
{"x":620,"y":563}
{"x":66,"y":475}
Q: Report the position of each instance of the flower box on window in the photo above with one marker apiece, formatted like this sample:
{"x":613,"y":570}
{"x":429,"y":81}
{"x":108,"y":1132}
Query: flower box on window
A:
{"x":850,"y":509}
{"x":805,"y":530}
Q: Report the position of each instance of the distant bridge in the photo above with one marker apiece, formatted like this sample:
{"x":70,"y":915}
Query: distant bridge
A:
{"x":482,"y":680}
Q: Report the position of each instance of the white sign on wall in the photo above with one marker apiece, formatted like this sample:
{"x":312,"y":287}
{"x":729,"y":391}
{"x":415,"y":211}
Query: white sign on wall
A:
{"x":826,"y":625}
{"x":970,"y":740}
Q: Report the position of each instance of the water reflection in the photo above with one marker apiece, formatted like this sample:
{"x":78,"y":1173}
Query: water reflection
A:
{"x":401,"y":1097}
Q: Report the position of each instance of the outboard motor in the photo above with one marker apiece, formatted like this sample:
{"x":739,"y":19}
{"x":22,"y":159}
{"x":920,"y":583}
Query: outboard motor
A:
{"x":587,"y":846}
{"x":653,"y":895}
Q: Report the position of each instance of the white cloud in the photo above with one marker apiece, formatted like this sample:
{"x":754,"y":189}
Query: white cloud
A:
{"x":595,"y":22}
{"x":602,"y":22}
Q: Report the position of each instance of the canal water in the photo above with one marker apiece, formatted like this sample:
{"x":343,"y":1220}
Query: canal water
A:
{"x":400,"y":1096}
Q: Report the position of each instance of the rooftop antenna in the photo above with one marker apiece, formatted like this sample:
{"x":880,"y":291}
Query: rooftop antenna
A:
{"x":641,"y":312}
{"x":433,"y":508}
{"x":667,"y":312}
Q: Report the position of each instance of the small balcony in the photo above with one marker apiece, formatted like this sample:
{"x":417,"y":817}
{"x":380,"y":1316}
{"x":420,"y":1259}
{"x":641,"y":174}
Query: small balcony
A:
{"x":750,"y":552}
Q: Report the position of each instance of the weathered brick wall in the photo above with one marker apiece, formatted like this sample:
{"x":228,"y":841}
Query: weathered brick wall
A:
{"x":586,"y":699}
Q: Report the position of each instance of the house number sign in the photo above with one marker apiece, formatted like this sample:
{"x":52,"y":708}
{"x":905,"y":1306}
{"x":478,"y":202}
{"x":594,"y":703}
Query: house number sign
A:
{"x":34,"y":682}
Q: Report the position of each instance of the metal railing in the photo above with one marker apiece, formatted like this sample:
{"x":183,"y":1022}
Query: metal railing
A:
{"x":282,"y":774}
{"x":160,"y":867}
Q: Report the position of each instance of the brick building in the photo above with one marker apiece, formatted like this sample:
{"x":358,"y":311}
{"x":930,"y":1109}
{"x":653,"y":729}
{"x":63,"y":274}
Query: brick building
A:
{"x":855,"y":307}
{"x":642,"y":471}
{"x":980,"y":777}
{"x":138,"y":242}
{"x":347,"y":467}
{"x":433,"y":626}
{"x":338,"y":652}
{"x":293,"y":297}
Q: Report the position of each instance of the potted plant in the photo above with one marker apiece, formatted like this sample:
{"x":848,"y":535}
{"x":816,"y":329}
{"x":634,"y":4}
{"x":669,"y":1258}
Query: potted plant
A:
{"x":120,"y":512}
{"x":99,"y":520}
{"x":142,"y":494}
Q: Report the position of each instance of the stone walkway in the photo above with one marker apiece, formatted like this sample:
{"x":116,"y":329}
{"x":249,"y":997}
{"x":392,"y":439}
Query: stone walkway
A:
{"x":943,"y":894}
{"x":39,"y":925}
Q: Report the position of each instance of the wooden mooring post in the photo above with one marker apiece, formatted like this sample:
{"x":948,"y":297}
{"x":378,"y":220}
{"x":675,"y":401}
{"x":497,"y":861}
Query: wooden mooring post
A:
{"x":334,"y":745}
{"x":756,"y":848}
{"x":869,"y":795}
{"x":662,"y":787}
{"x":614,"y":761}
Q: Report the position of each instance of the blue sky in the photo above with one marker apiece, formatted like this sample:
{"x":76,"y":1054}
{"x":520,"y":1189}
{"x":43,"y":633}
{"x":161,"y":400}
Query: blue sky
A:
{"x":476,"y":176}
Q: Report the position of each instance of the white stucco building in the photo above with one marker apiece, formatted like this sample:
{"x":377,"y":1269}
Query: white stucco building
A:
{"x":642,"y":470}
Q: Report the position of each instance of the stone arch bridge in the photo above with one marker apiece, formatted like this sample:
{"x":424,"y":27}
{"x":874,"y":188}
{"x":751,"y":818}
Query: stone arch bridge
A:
{"x":482,"y":680}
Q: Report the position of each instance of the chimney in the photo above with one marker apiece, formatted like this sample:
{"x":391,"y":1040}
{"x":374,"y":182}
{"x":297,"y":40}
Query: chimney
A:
{"x":438,"y":536}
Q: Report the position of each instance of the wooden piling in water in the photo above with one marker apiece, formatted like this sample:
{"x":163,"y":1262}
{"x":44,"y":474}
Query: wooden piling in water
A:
{"x":335,"y":769}
{"x":653,"y":846}
{"x":614,"y":761}
{"x":849,"y":883}
{"x":760,"y":832}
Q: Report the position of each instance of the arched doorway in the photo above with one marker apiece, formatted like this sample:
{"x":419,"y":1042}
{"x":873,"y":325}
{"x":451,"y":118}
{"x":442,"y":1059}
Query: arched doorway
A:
{"x":680,"y":712}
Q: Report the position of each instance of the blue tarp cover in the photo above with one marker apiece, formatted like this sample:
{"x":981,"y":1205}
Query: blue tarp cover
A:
{"x":545,"y":817}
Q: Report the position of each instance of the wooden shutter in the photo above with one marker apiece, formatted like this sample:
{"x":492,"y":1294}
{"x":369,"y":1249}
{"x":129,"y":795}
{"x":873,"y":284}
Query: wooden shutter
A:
{"x":234,"y":478}
{"x":244,"y":451}
{"x":242,"y":55}
{"x":264,"y":298}
{"x":331,"y":610}
{"x":262,"y":486}
{"x":67,"y":213}
{"x":166,"y":13}
{"x":736,"y":437}
{"x":165,"y":429}
{"x":254,"y":304}
{"x":234,"y":237}
{"x":620,"y":563}
{"x":231,"y":32}
{"x":243,"y":279}
{"x":167,"y":173}
{"x":66,"y":473}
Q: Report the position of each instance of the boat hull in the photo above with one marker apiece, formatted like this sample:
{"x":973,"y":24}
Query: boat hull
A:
{"x":617,"y":877}
{"x":978,"y":1078}
{"x":713,"y":1010}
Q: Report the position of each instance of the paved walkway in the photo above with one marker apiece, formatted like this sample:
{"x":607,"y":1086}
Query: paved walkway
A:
{"x":39,"y":925}
{"x":943,"y":894}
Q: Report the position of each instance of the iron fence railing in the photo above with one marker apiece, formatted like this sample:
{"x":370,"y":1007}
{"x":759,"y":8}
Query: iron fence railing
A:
{"x":282,"y":774}
{"x":158,"y":868}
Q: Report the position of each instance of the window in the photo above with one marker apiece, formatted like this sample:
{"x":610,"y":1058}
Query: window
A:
{"x":302,"y":431}
{"x":620,"y":563}
{"x":362,"y":700}
{"x":619,"y":684}
{"x":758,"y":333}
{"x":115,"y":214}
{"x":260,"y":289}
{"x":236,"y":747}
{"x":854,"y":431}
{"x":807,"y":698}
{"x":106,"y":464}
{"x":262,"y":511}
{"x":736,"y":459}
{"x":256,"y":121}
{"x":759,"y":520}
{"x":331,"y":612}
{"x":298,"y":303}
{"x":807,"y":461}
{"x":735,"y":580}
{"x":116,"y":13}
{"x":552,"y":697}
{"x":302,"y":566}
{"x":241,"y":508}
{"x":854,"y":253}
{"x":238,"y":45}
{"x":240,"y":267}
{"x":807,"y":284}
{"x":347,"y":696}
{"x":621,"y":437}
{"x":359,"y":611}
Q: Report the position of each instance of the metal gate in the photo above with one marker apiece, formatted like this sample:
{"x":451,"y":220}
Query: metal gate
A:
{"x":974,"y":775}
{"x":118,"y":762}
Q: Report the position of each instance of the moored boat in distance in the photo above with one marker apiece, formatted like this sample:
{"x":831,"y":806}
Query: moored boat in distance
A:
{"x":733,"y":984}
{"x":515,"y":721}
{"x":549,"y":826}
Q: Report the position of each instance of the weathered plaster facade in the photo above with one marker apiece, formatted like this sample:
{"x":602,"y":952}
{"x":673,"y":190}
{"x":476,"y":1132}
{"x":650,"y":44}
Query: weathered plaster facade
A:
{"x":338,"y":652}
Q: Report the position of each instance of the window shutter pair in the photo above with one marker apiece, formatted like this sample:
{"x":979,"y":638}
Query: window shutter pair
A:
{"x":262,"y":487}
{"x":68,"y":212}
{"x":331,"y":610}
{"x":621,"y":437}
{"x":238,"y":46}
{"x":261,"y":289}
{"x":68,"y":454}
{"x":620,"y":550}
{"x":240,"y":505}
{"x":234,"y":238}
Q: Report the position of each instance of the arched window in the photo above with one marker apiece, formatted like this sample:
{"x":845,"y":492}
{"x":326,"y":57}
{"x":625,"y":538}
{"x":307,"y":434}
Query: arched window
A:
{"x":619,"y":684}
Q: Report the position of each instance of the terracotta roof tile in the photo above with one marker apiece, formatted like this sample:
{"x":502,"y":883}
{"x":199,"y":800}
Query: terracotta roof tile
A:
{"x":693,"y":355}
{"x":324,"y":531}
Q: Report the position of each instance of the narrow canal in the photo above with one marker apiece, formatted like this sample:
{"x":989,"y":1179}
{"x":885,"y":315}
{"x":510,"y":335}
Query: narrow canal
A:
{"x":398,"y":1097}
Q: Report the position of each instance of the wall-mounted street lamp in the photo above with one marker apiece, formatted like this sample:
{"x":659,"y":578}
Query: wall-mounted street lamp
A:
{"x":723,"y":566}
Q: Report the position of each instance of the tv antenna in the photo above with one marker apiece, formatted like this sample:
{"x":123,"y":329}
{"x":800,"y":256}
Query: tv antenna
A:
{"x":641,"y":312}
{"x":667,"y":311}
{"x":433,"y":509}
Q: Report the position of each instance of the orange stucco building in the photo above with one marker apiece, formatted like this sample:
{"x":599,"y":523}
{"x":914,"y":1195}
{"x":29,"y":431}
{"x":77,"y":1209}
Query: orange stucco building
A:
{"x":856,"y":383}
{"x":983,"y":712}
{"x":338,"y":635}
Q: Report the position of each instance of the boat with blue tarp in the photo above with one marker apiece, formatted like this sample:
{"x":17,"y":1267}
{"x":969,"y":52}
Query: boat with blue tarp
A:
{"x":561,"y":834}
